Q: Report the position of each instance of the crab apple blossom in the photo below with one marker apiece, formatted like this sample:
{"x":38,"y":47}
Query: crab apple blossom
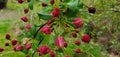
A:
{"x":59,"y":41}
{"x":1,"y":49}
{"x":7,"y":36}
{"x":86,"y":38}
{"x":14,"y":42}
{"x":26,"y":11}
{"x":52,"y":2}
{"x":25,"y":19}
{"x":56,"y":12}
{"x":20,"y":1}
{"x":78,"y":22}
{"x":46,"y":29}
{"x":43,"y":50}
{"x":28,"y":46}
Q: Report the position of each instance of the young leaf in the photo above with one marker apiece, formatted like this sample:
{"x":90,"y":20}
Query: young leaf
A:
{"x":44,"y":16}
{"x":46,"y":39}
{"x":30,"y":5}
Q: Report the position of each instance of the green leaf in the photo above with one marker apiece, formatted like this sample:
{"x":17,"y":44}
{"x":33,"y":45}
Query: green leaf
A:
{"x":44,"y":16}
{"x":46,"y":39}
{"x":28,"y":34}
{"x":34,"y":45}
{"x":33,"y":30}
{"x":39,"y":36}
{"x":73,"y":5}
{"x":30,"y":5}
{"x":68,"y":51}
{"x":45,"y":1}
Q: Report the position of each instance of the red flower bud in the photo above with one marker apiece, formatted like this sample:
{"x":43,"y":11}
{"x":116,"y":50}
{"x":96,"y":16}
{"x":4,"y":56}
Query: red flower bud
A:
{"x":18,"y":48}
{"x":52,"y":54}
{"x":67,"y":56}
{"x":28,"y":56}
{"x":46,"y":29}
{"x":65,"y":44}
{"x":7,"y":36}
{"x":77,"y":42}
{"x":78,"y":22}
{"x":43,"y":50}
{"x":52,"y":2}
{"x":78,"y":50}
{"x":56,"y":12}
{"x":60,"y":0}
{"x":25,"y":19}
{"x":49,"y":22}
{"x":14,"y":42}
{"x":76,"y":30}
{"x":59,"y":41}
{"x":74,"y":34}
{"x":26,"y":11}
{"x":6,"y":44}
{"x":1,"y":49}
{"x":86,"y":38}
{"x":28,"y":26}
{"x":20,"y":1}
{"x":92,"y":10}
{"x":43,"y":4}
{"x":28,"y":46}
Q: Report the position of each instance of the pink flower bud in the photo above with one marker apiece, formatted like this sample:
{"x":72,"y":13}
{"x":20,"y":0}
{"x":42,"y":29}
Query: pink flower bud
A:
{"x":43,"y":50}
{"x":28,"y":26}
{"x":1,"y":49}
{"x":78,"y":22}
{"x":18,"y":48}
{"x":52,"y":2}
{"x":74,"y":34}
{"x":7,"y":36}
{"x":25,"y":19}
{"x":78,"y":50}
{"x":86,"y":38}
{"x":59,"y":41}
{"x":20,"y":1}
{"x":26,"y":11}
{"x":56,"y":12}
{"x":28,"y":46}
{"x":77,"y":42}
{"x":52,"y":54}
{"x":14,"y":42}
{"x":43,"y":4}
{"x":46,"y":29}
